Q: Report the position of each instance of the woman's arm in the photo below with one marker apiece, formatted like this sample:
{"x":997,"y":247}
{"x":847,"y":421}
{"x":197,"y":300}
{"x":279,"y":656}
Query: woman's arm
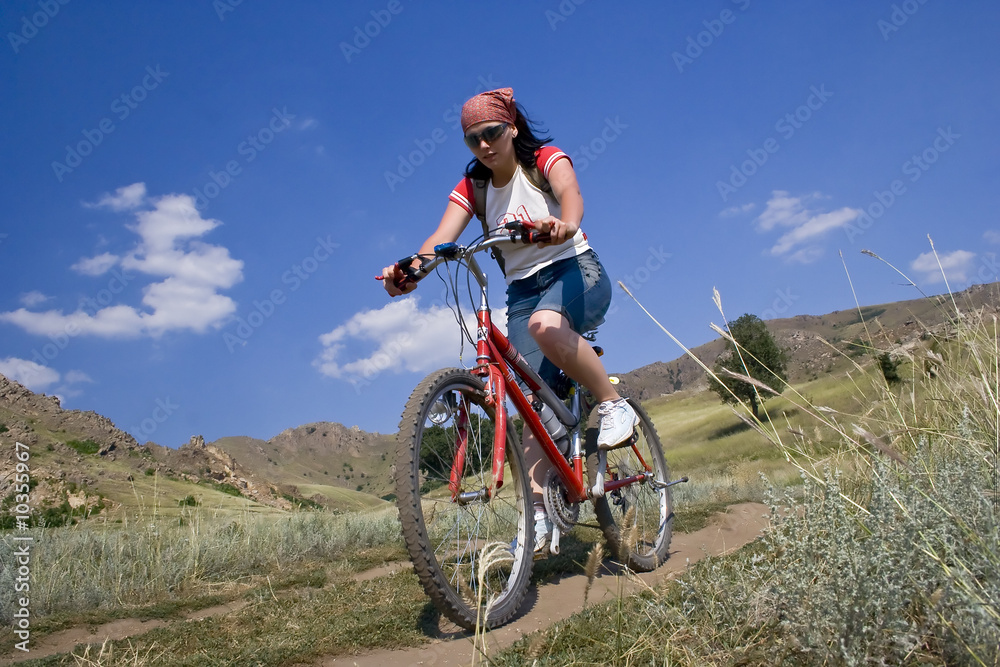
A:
{"x":452,"y":224}
{"x":566,"y":190}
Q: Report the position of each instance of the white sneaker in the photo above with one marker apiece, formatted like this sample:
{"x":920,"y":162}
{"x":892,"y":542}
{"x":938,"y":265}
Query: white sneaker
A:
{"x":618,"y":421}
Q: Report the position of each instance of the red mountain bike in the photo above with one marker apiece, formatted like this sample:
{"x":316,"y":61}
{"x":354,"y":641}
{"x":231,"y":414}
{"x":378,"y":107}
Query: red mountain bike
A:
{"x":462,"y":488}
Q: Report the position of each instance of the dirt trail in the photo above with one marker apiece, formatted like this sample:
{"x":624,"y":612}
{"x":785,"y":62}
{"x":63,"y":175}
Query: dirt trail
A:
{"x":544,"y":605}
{"x":66,"y":640}
{"x":560,"y":599}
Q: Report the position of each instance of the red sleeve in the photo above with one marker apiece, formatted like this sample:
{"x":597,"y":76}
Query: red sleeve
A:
{"x":464,"y":196}
{"x":547,"y":156}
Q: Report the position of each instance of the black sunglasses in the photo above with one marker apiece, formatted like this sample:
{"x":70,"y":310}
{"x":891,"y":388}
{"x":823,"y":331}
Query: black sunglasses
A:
{"x":489,"y":135}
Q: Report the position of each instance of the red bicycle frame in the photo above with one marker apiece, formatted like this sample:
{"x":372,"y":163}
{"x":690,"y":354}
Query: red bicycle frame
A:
{"x":498,"y":361}
{"x":500,"y":365}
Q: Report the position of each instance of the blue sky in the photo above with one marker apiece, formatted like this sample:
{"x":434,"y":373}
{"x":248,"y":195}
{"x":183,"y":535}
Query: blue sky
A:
{"x":196,"y":195}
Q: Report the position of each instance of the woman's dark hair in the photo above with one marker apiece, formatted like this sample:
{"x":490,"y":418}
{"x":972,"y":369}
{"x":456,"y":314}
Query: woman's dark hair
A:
{"x":525,"y":144}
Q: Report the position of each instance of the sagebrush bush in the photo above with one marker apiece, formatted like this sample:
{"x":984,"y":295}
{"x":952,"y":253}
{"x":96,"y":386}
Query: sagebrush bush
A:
{"x":888,"y":554}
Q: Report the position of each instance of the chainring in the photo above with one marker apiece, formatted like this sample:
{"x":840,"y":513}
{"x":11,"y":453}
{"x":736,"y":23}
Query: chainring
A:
{"x":562,"y":513}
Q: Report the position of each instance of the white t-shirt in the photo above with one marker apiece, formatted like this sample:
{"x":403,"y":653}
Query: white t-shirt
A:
{"x":520,"y":200}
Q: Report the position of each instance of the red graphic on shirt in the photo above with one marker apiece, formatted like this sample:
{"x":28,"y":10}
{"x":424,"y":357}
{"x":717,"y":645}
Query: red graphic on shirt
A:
{"x":520,"y":216}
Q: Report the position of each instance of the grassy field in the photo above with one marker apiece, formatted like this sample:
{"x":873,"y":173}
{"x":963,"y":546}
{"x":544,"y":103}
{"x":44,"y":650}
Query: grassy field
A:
{"x":858,"y":473}
{"x":171,"y":559}
{"x":887,"y":553}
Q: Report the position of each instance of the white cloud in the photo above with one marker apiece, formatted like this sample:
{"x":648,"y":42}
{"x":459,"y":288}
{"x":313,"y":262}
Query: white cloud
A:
{"x":957,"y":266}
{"x":991,"y":236}
{"x":95,"y":266}
{"x":806,"y":255}
{"x":33,"y":376}
{"x":783,"y":210}
{"x":33,"y":298}
{"x":406,"y":338}
{"x":187,"y":297}
{"x":815,"y":226}
{"x":736,"y":210}
{"x":807,"y":225}
{"x":125,"y":198}
{"x":39,"y":378}
{"x":76,"y":377}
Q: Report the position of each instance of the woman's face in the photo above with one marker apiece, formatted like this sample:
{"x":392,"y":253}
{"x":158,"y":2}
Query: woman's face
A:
{"x":492,"y":142}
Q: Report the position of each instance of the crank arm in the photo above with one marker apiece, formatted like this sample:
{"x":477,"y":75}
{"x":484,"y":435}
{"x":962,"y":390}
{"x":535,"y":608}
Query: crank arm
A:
{"x":597,"y":491}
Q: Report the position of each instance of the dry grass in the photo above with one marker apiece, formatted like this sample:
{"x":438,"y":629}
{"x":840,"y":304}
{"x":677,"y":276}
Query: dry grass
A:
{"x":889,"y":553}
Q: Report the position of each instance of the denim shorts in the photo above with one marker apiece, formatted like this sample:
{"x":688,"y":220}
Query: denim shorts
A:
{"x":577,"y":287}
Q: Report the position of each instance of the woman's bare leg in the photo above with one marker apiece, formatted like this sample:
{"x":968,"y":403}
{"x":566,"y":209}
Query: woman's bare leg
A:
{"x":571,"y":352}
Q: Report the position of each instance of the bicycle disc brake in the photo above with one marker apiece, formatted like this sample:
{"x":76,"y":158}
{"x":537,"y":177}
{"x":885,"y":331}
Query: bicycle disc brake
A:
{"x":563,"y":514}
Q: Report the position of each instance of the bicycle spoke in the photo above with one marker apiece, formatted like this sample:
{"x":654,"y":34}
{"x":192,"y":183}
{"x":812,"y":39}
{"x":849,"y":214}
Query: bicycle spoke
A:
{"x":448,"y":433}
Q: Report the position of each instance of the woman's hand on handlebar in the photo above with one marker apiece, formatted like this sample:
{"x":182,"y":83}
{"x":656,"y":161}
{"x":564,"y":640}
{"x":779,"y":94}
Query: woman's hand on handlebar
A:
{"x":396,"y":282}
{"x":558,"y":230}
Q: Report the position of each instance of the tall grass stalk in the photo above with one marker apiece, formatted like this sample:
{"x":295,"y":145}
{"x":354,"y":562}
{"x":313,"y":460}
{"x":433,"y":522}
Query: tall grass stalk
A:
{"x":889,"y":553}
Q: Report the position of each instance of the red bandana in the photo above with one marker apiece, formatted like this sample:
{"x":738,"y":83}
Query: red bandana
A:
{"x":491,"y":105}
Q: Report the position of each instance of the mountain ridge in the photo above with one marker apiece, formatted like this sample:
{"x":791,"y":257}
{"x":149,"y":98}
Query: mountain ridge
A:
{"x":83,"y":464}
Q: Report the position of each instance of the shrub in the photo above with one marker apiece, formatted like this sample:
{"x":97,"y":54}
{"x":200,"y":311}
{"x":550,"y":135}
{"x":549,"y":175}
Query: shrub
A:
{"x":889,"y":368}
{"x":225,"y":487}
{"x":84,"y":446}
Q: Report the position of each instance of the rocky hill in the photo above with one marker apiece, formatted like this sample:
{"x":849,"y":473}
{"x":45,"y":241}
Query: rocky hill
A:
{"x":320,"y":461}
{"x":81,"y":464}
{"x":892,"y":327}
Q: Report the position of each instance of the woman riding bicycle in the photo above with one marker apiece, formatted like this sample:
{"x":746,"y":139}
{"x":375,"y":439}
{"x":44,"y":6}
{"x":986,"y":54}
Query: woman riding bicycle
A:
{"x":556,"y":290}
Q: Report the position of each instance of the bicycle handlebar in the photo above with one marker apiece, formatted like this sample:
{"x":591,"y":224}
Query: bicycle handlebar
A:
{"x":519,"y":232}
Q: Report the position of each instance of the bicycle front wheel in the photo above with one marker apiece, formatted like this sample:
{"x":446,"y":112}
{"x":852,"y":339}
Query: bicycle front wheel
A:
{"x":637,"y":520}
{"x":471,"y":545}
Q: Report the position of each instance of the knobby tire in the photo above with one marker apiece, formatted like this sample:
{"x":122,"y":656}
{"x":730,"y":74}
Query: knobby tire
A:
{"x":447,"y":539}
{"x":648,"y":535}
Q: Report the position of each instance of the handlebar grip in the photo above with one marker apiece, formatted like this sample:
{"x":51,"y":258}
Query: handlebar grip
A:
{"x":409,"y":273}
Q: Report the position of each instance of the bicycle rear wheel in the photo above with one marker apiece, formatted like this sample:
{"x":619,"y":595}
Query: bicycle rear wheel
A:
{"x":639,"y":538}
{"x":472,"y":554}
